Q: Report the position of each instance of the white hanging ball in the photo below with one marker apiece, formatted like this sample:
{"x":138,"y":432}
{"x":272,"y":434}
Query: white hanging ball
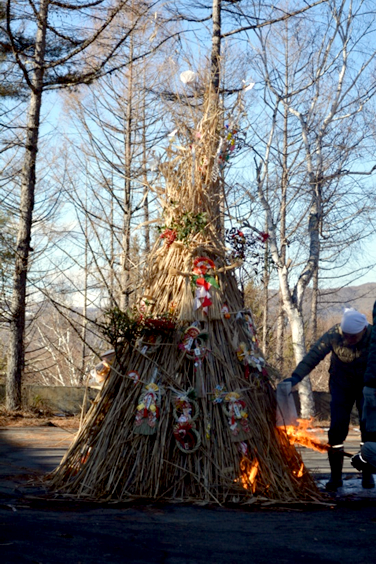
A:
{"x":188,"y":76}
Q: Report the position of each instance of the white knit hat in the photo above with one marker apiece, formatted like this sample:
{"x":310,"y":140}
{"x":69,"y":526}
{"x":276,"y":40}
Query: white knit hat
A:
{"x":353,"y":322}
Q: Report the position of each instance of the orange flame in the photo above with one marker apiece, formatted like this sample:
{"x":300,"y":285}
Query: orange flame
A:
{"x":302,"y":436}
{"x":300,"y":472}
{"x":249,"y":471}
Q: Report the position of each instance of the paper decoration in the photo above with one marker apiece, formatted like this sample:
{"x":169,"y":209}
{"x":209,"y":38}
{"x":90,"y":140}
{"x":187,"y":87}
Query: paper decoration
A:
{"x":225,"y":311}
{"x":203,"y":282}
{"x":247,"y":351}
{"x":101,"y":371}
{"x":147,"y":414}
{"x":187,"y":77}
{"x":219,"y":393}
{"x":134,"y":375}
{"x":237,"y":415}
{"x":194,"y":343}
{"x":249,"y":87}
{"x":185,"y":413}
{"x":231,"y":141}
{"x":170,"y":236}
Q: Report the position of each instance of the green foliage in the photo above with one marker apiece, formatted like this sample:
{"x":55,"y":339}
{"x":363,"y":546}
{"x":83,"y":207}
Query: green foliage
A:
{"x":121,"y":326}
{"x":185,"y":226}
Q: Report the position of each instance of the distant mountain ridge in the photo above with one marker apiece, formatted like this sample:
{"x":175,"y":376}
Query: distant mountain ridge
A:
{"x":333,"y":301}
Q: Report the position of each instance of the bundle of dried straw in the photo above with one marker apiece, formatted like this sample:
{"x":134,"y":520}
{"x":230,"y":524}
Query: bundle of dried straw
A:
{"x":198,"y":421}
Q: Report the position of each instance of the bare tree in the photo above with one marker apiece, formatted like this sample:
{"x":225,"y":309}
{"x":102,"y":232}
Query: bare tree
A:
{"x":57,"y":56}
{"x":316,"y":89}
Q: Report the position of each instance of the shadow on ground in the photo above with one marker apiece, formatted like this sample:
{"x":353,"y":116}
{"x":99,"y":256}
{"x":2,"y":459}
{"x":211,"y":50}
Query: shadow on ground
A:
{"x":37,"y":529}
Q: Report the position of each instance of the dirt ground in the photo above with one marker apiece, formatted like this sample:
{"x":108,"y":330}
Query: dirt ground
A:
{"x":37,"y":533}
{"x":37,"y":418}
{"x":38,"y":529}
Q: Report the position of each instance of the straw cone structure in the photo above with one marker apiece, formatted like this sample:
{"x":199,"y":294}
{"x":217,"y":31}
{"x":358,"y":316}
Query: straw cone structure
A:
{"x":189,"y":414}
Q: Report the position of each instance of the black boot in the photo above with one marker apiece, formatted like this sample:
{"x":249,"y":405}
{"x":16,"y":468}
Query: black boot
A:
{"x":335,"y":455}
{"x":367,"y":470}
{"x":367,"y":480}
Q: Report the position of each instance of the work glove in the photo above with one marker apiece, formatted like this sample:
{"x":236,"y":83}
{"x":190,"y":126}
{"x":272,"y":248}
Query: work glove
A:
{"x":359,"y":463}
{"x":294,"y":380}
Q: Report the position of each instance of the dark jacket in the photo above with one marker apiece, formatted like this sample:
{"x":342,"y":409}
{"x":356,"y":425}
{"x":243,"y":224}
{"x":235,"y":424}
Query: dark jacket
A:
{"x":348,"y":363}
{"x":370,"y":373}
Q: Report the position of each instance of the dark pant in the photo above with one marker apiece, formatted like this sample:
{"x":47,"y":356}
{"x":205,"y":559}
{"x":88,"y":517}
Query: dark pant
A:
{"x":342,"y":402}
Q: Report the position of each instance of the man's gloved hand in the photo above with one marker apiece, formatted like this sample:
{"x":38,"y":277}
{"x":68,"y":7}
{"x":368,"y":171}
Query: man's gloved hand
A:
{"x":359,"y":463}
{"x":294,"y":379}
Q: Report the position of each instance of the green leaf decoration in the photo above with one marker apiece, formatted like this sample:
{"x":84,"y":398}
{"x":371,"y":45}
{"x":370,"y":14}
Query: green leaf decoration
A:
{"x":211,"y":281}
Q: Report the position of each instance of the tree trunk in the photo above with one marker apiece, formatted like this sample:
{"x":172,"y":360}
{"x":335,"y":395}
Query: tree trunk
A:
{"x":16,"y":353}
{"x":84,"y":307}
{"x":216,"y":46}
{"x":126,"y":245}
{"x":265,"y":320}
{"x":145,"y":175}
{"x":280,"y":336}
{"x":315,"y":291}
{"x":307,"y":405}
{"x":215,"y":69}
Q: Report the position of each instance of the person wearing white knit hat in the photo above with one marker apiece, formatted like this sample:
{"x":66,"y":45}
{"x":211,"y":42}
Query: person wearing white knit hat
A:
{"x":353,"y":324}
{"x":348,"y":342}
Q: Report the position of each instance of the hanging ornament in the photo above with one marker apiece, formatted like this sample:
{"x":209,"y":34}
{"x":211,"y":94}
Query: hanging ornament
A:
{"x":173,"y":133}
{"x":194,"y":342}
{"x":149,"y":343}
{"x":219,"y":393}
{"x":155,"y":330}
{"x":203,"y":282}
{"x":134,"y":375}
{"x":201,"y":265}
{"x":188,"y":338}
{"x":231,"y":141}
{"x":249,"y":87}
{"x":248,"y":356}
{"x":102,"y":370}
{"x":170,"y":236}
{"x":199,"y":349}
{"x":225,"y":311}
{"x":243,"y":448}
{"x":147,"y":414}
{"x":188,"y":76}
{"x":247,"y":350}
{"x":185,"y":413}
{"x":245,"y":320}
{"x":237,"y":415}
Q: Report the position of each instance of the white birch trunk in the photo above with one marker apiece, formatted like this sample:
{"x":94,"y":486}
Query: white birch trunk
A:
{"x":307,"y":405}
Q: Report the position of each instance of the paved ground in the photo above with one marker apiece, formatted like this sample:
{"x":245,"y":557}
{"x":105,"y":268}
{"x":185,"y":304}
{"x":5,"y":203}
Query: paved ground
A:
{"x":33,"y":530}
